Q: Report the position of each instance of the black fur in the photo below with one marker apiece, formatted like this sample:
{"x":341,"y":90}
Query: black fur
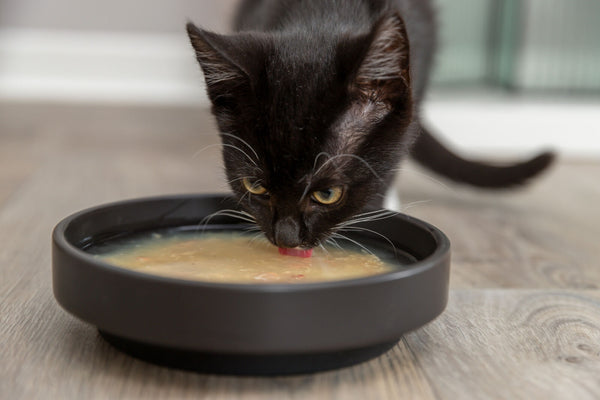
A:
{"x":311,"y":94}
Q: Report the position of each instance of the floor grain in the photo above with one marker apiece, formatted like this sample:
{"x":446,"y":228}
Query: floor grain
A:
{"x":523,"y":319}
{"x":542,"y":236}
{"x":513,"y":344}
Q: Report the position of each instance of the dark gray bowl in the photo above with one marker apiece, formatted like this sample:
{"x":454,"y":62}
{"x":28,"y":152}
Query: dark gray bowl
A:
{"x":267,"y":329}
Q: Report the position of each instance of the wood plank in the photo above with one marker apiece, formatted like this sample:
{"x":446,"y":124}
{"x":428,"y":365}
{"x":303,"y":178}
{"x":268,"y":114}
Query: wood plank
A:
{"x":513,"y":344}
{"x":15,"y":168}
{"x":18,"y":155}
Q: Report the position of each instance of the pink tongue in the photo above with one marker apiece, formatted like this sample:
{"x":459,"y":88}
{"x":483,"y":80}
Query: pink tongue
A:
{"x":297,"y":252}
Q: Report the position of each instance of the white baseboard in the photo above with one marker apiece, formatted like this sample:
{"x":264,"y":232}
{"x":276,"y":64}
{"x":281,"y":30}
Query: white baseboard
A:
{"x":497,"y":123}
{"x":75,"y":66}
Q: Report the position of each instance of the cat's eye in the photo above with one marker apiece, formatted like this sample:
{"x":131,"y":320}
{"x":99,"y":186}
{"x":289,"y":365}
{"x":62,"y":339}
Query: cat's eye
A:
{"x":328,"y":196}
{"x":254,"y":187}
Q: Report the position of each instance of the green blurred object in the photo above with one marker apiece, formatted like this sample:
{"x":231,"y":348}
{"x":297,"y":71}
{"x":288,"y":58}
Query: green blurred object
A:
{"x":520,"y":44}
{"x":463,"y":41}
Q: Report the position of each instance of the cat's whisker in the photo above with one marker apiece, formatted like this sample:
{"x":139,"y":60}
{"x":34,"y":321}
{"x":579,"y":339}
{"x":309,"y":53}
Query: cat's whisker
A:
{"x":241,"y":151}
{"x":317,"y":159}
{"x":305,"y":192}
{"x":339,"y":235}
{"x":333,"y":242}
{"x":309,"y":176}
{"x":240,"y":178}
{"x":369,"y":218}
{"x":256,"y":237}
{"x":376,"y":217}
{"x":378,"y":212}
{"x":361,"y":229}
{"x":369,"y":212}
{"x":415,"y":204}
{"x":243,"y":141}
{"x":381,"y":210}
{"x":242,"y":212}
{"x":210,"y":146}
{"x":242,"y":198}
{"x":237,"y":212}
{"x":241,"y":218}
{"x":354,"y":156}
{"x":258,"y":233}
{"x":253,"y":227}
{"x":241,"y":215}
{"x":306,"y":176}
{"x":323,"y":248}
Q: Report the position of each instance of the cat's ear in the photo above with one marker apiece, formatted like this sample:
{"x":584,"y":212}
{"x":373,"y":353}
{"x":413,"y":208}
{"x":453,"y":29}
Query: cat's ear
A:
{"x":219,"y":58}
{"x":384,"y":71}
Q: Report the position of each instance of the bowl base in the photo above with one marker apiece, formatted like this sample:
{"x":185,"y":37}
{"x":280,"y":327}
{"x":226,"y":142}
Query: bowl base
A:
{"x":244,"y":364}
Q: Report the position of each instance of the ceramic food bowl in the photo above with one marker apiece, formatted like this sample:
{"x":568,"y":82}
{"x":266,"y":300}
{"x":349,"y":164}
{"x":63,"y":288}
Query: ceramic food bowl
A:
{"x":262,"y":329}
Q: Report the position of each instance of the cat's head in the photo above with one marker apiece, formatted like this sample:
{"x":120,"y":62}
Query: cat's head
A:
{"x":312,"y":124}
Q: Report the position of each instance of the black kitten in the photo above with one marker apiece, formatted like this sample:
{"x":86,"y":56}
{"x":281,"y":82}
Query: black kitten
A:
{"x":317,"y":102}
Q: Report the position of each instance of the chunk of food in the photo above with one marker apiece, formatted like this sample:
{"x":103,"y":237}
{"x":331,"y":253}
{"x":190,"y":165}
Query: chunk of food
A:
{"x":296,"y":252}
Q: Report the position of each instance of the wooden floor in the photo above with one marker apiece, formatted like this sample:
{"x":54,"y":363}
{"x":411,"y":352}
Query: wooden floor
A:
{"x":523,"y":321}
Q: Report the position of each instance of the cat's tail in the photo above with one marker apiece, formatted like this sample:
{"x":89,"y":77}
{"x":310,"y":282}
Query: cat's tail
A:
{"x":432,"y":154}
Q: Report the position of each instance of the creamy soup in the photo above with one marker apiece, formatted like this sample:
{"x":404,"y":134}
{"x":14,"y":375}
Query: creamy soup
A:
{"x":236,"y":258}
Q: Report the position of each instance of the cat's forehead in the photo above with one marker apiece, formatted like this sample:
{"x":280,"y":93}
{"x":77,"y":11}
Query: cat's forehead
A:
{"x":297,"y":53}
{"x":299,"y":70}
{"x":298,"y":91}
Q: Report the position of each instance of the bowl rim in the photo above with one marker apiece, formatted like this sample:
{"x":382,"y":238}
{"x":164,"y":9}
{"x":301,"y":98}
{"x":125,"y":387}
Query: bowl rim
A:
{"x":431,"y":261}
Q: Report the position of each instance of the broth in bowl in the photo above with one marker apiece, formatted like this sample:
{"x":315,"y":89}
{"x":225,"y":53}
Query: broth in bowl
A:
{"x":235,"y":257}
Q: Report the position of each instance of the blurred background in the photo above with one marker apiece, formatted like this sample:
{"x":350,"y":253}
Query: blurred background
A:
{"x":504,"y":66}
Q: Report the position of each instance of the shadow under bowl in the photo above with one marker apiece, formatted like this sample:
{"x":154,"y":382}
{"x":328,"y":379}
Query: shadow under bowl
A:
{"x":245,"y":329}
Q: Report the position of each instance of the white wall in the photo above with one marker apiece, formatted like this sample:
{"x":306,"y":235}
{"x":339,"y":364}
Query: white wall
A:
{"x":157,"y":16}
{"x":108,"y":50}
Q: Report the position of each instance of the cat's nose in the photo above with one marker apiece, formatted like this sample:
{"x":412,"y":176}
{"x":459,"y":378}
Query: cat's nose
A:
{"x":287,"y":233}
